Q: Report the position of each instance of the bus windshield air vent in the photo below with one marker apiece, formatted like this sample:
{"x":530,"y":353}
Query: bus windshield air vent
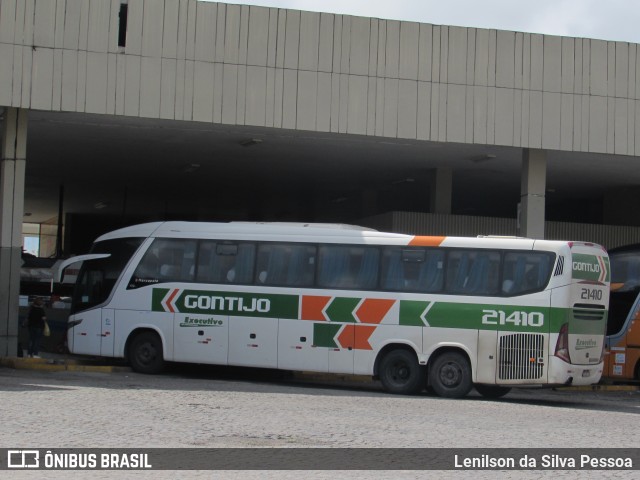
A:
{"x":521,"y":356}
{"x":559,"y":266}
{"x":587,"y":311}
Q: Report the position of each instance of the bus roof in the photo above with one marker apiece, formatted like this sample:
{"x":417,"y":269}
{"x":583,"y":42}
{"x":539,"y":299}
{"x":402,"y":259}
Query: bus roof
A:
{"x":332,"y":233}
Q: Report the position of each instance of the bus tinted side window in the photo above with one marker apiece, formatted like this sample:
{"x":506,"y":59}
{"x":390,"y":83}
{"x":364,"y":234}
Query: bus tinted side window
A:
{"x":526,"y":272}
{"x":289,"y":265}
{"x":473,"y":272}
{"x":352,"y":267}
{"x":166,"y":260}
{"x":412,"y":269}
{"x":226,"y":262}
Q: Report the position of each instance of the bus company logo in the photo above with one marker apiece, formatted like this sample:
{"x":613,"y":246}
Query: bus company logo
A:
{"x":201,"y":322}
{"x":586,"y":267}
{"x":585,"y":344}
{"x":188,"y":301}
{"x":169,"y":301}
{"x":23,"y":459}
{"x":590,"y":267}
{"x":228,"y":304}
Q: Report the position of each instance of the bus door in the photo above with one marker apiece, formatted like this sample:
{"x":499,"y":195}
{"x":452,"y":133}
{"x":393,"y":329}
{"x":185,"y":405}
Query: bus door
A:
{"x":201,"y":338}
{"x":107,"y":332}
{"x":253,"y":341}
{"x":487,"y":354}
{"x":341,"y":357}
{"x":297,"y":348}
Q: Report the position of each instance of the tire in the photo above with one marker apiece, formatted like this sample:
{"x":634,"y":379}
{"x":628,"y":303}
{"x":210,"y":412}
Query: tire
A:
{"x":400,"y":373}
{"x":450,"y":375}
{"x":492,"y":391}
{"x":145,"y":353}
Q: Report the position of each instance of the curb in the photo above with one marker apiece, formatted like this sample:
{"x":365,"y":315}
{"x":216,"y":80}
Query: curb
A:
{"x":52,"y":365}
{"x":601,"y":388}
{"x":327,"y":377}
{"x":367,"y":380}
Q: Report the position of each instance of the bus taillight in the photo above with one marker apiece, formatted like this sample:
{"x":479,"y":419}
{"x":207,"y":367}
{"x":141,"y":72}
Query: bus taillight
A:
{"x":562,"y":345}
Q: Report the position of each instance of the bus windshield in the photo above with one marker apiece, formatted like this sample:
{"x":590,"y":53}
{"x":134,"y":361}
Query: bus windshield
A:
{"x":98,"y":277}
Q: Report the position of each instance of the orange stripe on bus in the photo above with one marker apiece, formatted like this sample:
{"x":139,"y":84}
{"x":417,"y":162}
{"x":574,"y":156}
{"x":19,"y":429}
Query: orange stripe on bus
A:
{"x":426,"y":241}
{"x":312,"y":307}
{"x":373,"y":310}
{"x":356,"y":337}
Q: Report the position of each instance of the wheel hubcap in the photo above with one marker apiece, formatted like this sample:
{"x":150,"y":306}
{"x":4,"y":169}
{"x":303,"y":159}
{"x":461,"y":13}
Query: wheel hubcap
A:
{"x":450,"y":375}
{"x":146,"y":353}
{"x":401,"y":372}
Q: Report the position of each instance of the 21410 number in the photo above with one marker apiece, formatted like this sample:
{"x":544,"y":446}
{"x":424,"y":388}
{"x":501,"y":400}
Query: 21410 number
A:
{"x":517,"y":318}
{"x":591,"y":294}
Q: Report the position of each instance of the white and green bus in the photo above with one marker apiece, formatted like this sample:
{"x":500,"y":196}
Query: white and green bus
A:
{"x":445,"y":313}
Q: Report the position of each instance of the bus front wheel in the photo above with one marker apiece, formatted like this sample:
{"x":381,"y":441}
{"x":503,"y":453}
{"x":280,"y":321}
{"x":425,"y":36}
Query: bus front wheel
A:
{"x":450,"y":375}
{"x":400,"y":372}
{"x":145,"y":353}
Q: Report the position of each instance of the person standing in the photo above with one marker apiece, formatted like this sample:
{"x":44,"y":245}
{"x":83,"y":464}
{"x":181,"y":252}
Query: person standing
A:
{"x":36,"y":319}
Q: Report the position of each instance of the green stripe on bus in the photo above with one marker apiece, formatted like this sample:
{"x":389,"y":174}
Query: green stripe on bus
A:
{"x":157,"y":295}
{"x":411,"y":312}
{"x":476,"y":316}
{"x":341,"y":309}
{"x":324,"y":334}
{"x":579,"y":322}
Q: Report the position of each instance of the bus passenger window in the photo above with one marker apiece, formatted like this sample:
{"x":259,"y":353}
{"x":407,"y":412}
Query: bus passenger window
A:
{"x":166,"y":260}
{"x":412,"y":269}
{"x":525,"y":272}
{"x":473,"y":272}
{"x":225,"y":262}
{"x":287,"y":265}
{"x":351,"y":267}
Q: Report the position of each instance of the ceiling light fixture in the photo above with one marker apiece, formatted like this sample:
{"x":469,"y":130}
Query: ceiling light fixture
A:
{"x":484,"y":158}
{"x":250,"y":141}
{"x":403,"y":180}
{"x":191,"y":167}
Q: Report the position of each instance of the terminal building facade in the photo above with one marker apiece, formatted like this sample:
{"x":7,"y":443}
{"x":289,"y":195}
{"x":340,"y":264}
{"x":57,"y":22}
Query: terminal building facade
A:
{"x":117,"y":112}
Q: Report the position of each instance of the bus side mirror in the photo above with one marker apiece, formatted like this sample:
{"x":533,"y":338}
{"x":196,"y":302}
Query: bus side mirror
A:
{"x":60,"y":266}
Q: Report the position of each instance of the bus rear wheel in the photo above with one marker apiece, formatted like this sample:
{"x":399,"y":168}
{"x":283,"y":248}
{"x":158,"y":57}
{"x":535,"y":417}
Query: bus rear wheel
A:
{"x":450,"y":375}
{"x":145,"y":353}
{"x":492,"y":391}
{"x":400,"y":372}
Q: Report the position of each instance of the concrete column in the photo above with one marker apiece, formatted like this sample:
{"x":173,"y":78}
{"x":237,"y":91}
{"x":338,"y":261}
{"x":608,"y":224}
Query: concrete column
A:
{"x":441,"y":190}
{"x":532,"y":193}
{"x":13,"y":141}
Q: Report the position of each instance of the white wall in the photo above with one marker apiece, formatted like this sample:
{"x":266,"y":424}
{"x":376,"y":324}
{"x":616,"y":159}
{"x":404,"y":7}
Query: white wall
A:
{"x":209,"y":62}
